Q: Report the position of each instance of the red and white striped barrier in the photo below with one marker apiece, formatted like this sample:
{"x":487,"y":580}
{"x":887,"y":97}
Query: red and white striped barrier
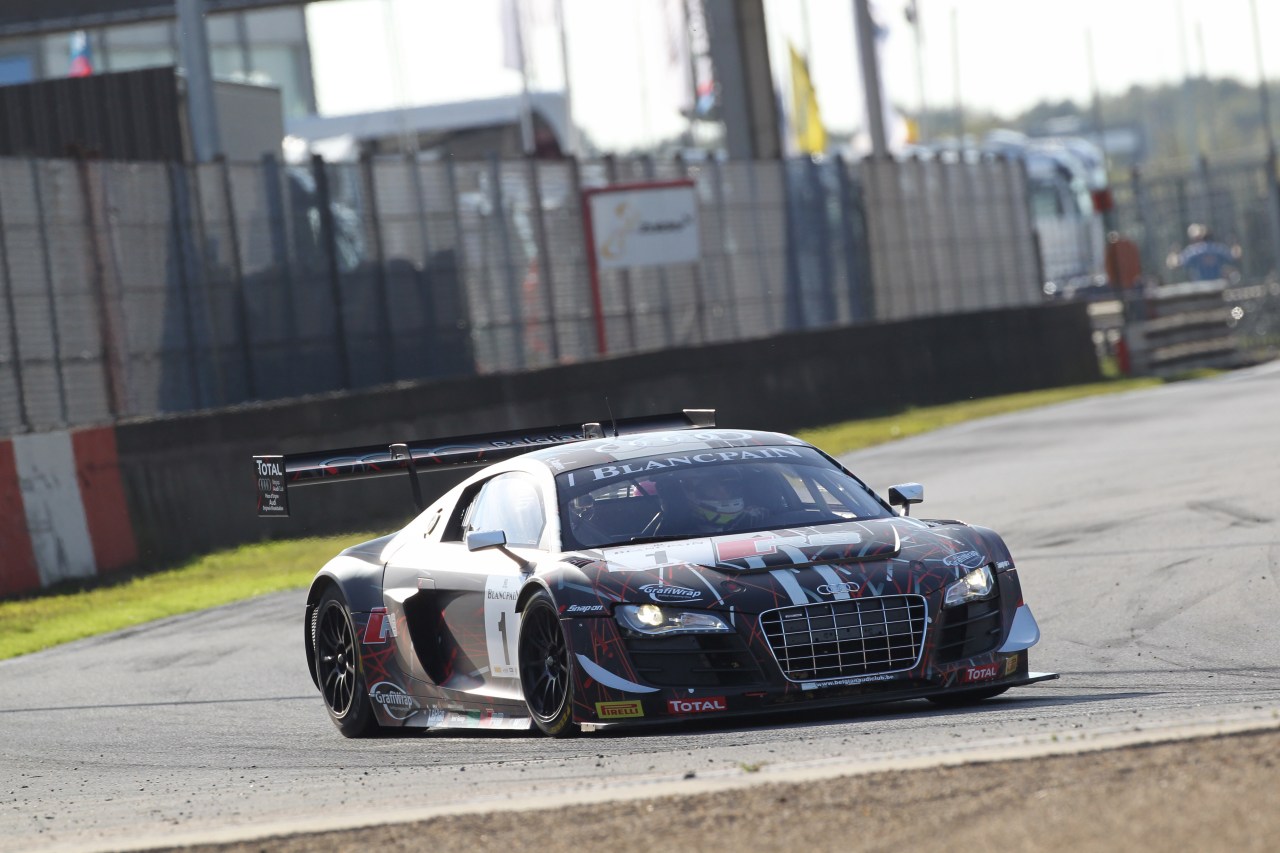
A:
{"x":62,"y":509}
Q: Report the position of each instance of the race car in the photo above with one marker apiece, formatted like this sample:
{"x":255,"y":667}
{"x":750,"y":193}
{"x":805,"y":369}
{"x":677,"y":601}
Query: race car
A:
{"x":647,"y":570}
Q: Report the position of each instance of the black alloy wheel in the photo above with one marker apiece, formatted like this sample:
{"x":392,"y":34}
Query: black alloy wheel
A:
{"x":546,"y":675}
{"x":338,"y":670}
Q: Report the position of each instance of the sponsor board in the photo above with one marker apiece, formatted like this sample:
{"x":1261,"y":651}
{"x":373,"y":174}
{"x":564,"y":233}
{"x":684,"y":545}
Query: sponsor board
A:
{"x":696,"y":706}
{"x":273,"y":499}
{"x":979,"y":673}
{"x":618,"y":710}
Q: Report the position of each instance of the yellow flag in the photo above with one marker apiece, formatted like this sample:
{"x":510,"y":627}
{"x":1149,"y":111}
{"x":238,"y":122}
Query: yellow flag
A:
{"x":806,"y":121}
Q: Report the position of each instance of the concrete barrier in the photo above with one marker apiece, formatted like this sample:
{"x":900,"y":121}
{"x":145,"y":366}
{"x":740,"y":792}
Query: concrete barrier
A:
{"x":189,"y":488}
{"x":63,"y":515}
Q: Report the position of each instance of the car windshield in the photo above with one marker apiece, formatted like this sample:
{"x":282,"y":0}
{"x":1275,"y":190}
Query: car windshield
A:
{"x":706,"y":493}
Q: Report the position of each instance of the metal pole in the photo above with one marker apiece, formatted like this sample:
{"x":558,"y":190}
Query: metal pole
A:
{"x":624,"y":275}
{"x":499,"y":208}
{"x":386,"y":346}
{"x":664,"y":287}
{"x":545,"y":278}
{"x":237,"y":269}
{"x":870,"y":63}
{"x":917,"y":26}
{"x":699,"y":294}
{"x":1273,"y":187}
{"x":722,"y":213}
{"x":328,"y":239}
{"x":460,"y":256}
{"x":1262,"y":82}
{"x":46,"y":261}
{"x":275,"y":188}
{"x":202,"y":110}
{"x":207,"y":280}
{"x":178,"y":201}
{"x":95,"y":230}
{"x":6,"y":279}
{"x":955,"y":77}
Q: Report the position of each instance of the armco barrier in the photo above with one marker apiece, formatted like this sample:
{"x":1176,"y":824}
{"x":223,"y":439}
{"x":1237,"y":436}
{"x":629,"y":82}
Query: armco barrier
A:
{"x":188,"y":485}
{"x":1186,"y":326}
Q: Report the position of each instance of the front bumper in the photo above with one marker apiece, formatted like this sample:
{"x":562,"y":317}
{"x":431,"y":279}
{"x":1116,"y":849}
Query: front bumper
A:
{"x":748,"y":680}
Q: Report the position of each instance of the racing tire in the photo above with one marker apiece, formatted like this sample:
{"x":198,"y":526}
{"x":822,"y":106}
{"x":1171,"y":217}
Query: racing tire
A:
{"x":339,"y":672}
{"x":546,"y":671}
{"x":967,"y":697}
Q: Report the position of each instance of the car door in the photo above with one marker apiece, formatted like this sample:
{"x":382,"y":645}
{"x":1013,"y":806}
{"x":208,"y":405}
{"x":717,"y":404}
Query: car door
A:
{"x":461,"y":610}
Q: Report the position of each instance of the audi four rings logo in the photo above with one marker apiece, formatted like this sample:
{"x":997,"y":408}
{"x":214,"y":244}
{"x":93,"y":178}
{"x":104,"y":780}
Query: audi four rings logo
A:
{"x":837,"y":588}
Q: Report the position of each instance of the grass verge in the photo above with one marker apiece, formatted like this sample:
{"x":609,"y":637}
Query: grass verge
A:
{"x":61,"y":615}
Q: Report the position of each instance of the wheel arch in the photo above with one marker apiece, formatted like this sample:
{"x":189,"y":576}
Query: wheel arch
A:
{"x":360,"y":584}
{"x":530,"y":589}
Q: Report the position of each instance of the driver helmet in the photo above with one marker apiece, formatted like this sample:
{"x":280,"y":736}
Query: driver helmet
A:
{"x":717,"y":499}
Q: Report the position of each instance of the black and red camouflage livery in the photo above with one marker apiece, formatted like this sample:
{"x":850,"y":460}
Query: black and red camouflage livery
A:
{"x":559,"y":587}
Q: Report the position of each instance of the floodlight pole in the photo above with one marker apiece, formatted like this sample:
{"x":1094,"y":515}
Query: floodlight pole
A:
{"x":870,"y":62}
{"x":202,"y":113}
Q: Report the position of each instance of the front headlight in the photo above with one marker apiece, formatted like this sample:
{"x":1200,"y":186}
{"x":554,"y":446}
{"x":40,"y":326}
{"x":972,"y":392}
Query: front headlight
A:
{"x":979,"y":584}
{"x":652,"y":620}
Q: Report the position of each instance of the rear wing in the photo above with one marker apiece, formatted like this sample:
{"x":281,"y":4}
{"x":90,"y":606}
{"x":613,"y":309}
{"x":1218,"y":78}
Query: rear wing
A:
{"x":276,"y":474}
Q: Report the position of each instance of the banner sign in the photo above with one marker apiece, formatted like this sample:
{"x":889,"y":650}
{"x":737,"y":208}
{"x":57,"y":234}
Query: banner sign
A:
{"x":644,"y":225}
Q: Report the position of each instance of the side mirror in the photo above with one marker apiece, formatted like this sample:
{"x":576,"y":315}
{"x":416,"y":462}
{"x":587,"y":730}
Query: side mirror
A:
{"x":480,"y":540}
{"x":906,"y":494}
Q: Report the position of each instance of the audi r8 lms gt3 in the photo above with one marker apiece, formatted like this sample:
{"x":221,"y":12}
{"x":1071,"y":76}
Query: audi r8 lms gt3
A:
{"x":653,"y":570}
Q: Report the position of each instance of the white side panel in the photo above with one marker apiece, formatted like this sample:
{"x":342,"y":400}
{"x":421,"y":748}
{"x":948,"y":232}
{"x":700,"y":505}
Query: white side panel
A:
{"x":55,"y":513}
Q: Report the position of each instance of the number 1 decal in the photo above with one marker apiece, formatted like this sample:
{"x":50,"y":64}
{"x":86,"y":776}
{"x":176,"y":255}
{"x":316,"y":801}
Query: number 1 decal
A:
{"x":501,"y":623}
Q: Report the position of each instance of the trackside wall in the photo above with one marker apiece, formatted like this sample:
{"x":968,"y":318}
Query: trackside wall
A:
{"x":168,"y":488}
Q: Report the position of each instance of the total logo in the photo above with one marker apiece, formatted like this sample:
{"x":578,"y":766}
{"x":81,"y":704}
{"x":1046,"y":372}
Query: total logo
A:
{"x":696,"y":706}
{"x":980,"y":673}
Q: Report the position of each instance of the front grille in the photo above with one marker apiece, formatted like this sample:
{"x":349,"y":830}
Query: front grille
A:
{"x":842,"y":639}
{"x":694,"y":660}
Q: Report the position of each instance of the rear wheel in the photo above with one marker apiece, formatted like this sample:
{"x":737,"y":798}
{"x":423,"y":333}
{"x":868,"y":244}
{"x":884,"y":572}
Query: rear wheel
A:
{"x":338,"y":669}
{"x":546,"y":674}
{"x":966,"y":697}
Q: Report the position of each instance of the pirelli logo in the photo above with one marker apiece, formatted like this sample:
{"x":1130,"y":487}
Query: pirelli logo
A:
{"x":618,"y":710}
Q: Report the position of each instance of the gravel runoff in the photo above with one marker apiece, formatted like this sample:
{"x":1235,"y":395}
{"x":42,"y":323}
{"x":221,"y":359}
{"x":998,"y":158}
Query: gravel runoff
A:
{"x":1203,"y":794}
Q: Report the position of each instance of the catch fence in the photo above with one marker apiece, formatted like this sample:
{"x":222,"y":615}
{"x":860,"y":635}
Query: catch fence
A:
{"x":138,"y":289}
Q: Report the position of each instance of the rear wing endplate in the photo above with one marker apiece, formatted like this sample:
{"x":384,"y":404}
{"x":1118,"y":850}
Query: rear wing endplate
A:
{"x":276,"y":474}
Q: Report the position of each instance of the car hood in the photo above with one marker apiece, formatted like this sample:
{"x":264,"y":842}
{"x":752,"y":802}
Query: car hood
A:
{"x":860,"y":555}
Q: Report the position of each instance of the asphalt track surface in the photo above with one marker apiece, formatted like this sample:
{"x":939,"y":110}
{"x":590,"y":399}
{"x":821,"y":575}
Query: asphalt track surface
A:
{"x":1145,"y":528}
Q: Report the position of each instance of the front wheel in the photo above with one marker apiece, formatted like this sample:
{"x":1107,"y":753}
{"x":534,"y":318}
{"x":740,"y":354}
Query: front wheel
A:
{"x":338,"y":669}
{"x":546,"y":673}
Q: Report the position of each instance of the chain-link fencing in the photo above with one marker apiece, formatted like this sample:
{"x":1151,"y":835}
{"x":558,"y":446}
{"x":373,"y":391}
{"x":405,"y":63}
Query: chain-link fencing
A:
{"x":137,"y":289}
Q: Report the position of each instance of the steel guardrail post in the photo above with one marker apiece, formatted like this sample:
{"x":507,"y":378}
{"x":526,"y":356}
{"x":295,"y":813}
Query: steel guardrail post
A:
{"x":328,"y":240}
